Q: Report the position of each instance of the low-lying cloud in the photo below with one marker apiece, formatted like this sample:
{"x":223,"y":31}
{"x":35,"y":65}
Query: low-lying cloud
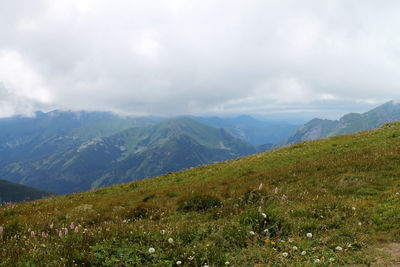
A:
{"x":198,"y":57}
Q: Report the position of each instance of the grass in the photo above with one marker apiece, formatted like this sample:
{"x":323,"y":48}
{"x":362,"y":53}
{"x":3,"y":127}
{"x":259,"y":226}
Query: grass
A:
{"x":342,"y":190}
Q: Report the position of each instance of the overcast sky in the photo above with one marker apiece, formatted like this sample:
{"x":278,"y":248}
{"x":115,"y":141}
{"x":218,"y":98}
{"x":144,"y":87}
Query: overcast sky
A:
{"x":174,"y":57}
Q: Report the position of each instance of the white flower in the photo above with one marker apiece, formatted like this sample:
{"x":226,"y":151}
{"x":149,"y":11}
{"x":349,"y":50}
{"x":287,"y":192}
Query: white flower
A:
{"x":227,"y":263}
{"x":303,"y":253}
{"x":170,"y":240}
{"x":294,"y":248}
{"x":359,"y":223}
{"x":162,"y":232}
{"x":264,"y":215}
{"x":252,"y":233}
{"x":178,"y":263}
{"x":266,"y":230}
{"x":338,"y":248}
{"x":152,"y":250}
{"x":331,"y":259}
{"x":285,"y":254}
{"x":353,"y":208}
{"x":309,"y":235}
{"x":317,"y":260}
{"x":191,"y":258}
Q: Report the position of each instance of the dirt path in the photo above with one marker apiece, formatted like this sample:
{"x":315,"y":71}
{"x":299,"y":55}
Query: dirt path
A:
{"x":391,"y":255}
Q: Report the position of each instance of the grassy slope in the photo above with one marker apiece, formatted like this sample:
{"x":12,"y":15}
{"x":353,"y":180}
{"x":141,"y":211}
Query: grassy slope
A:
{"x":342,"y":190}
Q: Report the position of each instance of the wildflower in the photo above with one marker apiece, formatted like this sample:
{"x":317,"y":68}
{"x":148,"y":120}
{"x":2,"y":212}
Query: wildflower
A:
{"x":284,"y":197}
{"x":264,"y":215}
{"x":32,"y":233}
{"x":162,"y":232}
{"x":303,"y":253}
{"x":260,"y":187}
{"x":262,"y":201}
{"x":178,"y":263}
{"x":51,"y":225}
{"x":259,"y":208}
{"x":359,"y":223}
{"x":76,"y":229}
{"x":266,"y":230}
{"x":252,"y":233}
{"x":353,"y":208}
{"x":272,"y":243}
{"x":294,"y":248}
{"x":1,"y":230}
{"x":285,"y":254}
{"x":66,"y":231}
{"x":227,"y":263}
{"x":338,"y":248}
{"x":331,"y":259}
{"x":60,"y":234}
{"x":191,"y":258}
{"x":43,"y":234}
{"x":309,"y":235}
{"x":152,"y":250}
{"x":317,"y":260}
{"x":276,"y":190}
{"x":71,"y":225}
{"x":170,"y":240}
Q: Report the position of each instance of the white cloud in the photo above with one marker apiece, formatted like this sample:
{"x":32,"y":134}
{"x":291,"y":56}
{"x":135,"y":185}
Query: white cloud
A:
{"x":173,"y":57}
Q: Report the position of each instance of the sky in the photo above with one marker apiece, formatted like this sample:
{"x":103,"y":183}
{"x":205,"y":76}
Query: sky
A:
{"x":279,"y":59}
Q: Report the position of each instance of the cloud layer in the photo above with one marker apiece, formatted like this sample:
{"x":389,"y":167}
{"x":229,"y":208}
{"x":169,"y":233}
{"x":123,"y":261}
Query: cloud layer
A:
{"x":195,"y":57}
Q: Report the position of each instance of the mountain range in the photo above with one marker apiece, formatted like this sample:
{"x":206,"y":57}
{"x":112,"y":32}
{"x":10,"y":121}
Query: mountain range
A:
{"x":349,"y":123}
{"x":87,"y":153}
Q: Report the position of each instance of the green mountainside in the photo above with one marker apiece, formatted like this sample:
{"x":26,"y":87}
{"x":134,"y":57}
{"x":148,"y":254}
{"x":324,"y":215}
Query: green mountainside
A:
{"x":329,"y":202}
{"x":128,"y":155}
{"x":11,"y":192}
{"x":350,"y":123}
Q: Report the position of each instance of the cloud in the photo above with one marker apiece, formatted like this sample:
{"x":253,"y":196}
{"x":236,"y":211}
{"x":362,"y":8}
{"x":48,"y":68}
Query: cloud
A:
{"x":178,"y":57}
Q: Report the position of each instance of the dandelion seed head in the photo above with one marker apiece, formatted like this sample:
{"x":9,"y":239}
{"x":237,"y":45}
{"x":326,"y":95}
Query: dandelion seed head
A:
{"x":285,"y":254}
{"x":309,"y":235}
{"x":152,"y":250}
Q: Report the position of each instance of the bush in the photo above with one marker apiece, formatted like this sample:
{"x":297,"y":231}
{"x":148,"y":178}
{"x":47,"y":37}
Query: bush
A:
{"x":144,"y":211}
{"x":198,"y":203}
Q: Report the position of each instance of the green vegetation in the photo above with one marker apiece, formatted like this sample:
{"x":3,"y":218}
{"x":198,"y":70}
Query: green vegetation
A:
{"x":10,"y":192}
{"x":326,"y":202}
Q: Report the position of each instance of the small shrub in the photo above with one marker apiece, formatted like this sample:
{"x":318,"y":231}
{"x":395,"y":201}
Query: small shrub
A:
{"x":144,"y":211}
{"x":198,"y":203}
{"x":148,"y":197}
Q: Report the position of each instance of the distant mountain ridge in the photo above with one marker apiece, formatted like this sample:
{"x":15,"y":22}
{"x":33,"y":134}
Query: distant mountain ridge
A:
{"x":349,"y":123}
{"x":253,"y":131}
{"x":11,"y":192}
{"x":130,"y":154}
